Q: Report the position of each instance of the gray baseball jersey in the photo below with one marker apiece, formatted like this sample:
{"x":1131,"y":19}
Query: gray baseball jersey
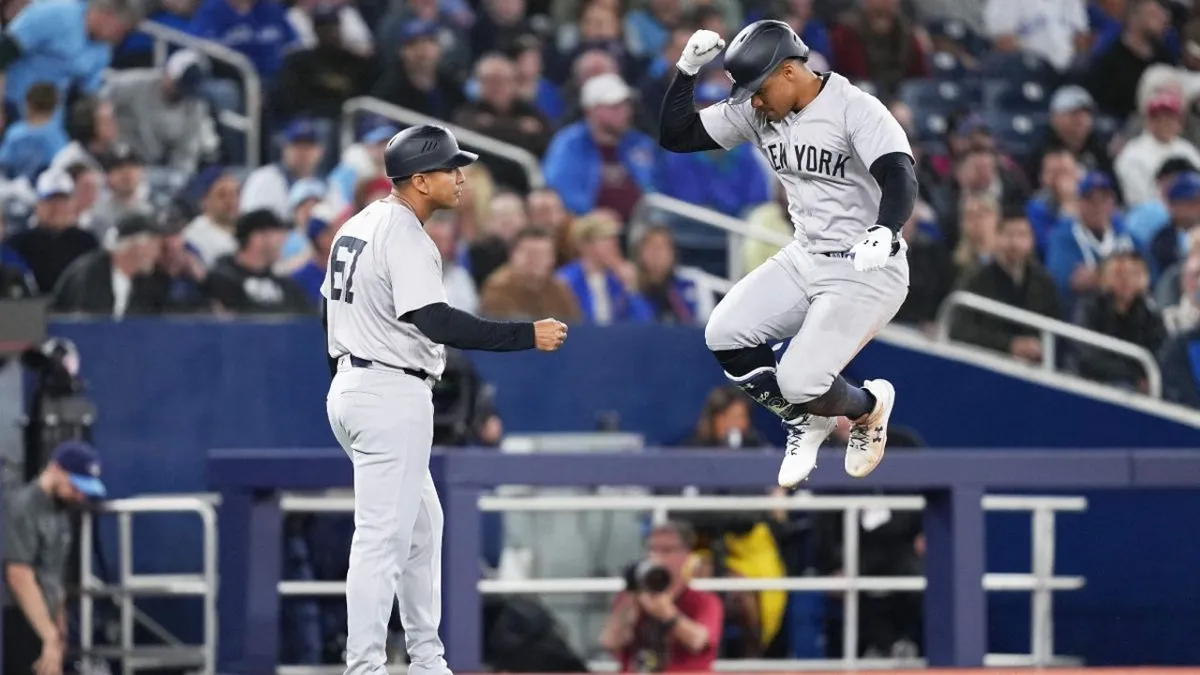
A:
{"x":383,"y":265}
{"x":822,"y":155}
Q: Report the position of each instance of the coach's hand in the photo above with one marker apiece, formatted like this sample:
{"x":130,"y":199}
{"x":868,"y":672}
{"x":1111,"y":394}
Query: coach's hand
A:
{"x":548,"y":334}
{"x":873,"y":252}
{"x":702,"y":47}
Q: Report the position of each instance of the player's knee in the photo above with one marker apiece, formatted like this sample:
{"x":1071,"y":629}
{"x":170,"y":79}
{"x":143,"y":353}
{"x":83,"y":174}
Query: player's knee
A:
{"x":720,"y":332}
{"x":800,"y":385}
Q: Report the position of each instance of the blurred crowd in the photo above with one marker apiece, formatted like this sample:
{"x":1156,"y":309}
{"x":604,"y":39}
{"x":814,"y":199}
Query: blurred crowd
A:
{"x":1055,"y":145}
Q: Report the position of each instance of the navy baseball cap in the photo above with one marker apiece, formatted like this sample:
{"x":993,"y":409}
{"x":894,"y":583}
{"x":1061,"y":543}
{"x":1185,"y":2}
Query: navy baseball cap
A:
{"x":416,"y":29}
{"x":1092,"y":181}
{"x":1186,"y":186}
{"x":82,"y":464}
{"x":301,"y":131}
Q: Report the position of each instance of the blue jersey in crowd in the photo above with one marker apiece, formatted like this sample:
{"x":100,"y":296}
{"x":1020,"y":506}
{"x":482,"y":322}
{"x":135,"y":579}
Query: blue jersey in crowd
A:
{"x":259,"y":34}
{"x":27,"y":149}
{"x":55,"y":48}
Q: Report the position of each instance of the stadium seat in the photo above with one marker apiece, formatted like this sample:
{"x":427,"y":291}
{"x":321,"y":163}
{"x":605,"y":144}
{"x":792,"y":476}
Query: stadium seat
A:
{"x":960,"y":33}
{"x":933,"y":97}
{"x":947,"y":66}
{"x":1017,"y":134}
{"x":1027,"y":97}
{"x":1017,"y":67}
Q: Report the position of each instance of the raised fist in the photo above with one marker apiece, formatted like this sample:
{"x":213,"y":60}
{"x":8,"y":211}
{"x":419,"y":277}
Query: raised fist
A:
{"x":702,"y":47}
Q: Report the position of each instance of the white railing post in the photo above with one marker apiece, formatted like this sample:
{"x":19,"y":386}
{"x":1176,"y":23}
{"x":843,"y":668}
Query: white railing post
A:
{"x":1042,"y":619}
{"x":87,"y":607}
{"x":850,"y":559}
{"x":125,"y":564}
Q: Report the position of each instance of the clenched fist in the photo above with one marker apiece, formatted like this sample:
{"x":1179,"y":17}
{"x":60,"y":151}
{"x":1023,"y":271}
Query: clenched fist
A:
{"x":702,"y":47}
{"x":548,"y":334}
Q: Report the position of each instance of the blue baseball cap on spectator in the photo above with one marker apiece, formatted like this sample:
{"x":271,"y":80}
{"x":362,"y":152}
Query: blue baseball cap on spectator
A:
{"x":304,"y":190}
{"x":380,"y":134}
{"x":82,"y":464}
{"x":319,"y":220}
{"x":186,"y":69}
{"x":712,"y":91}
{"x":1185,"y":186}
{"x":417,"y":29}
{"x":301,"y":131}
{"x":1092,"y":181}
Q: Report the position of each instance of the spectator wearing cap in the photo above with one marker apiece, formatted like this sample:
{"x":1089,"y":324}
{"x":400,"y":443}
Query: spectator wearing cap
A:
{"x":1072,"y":126}
{"x":92,"y":127}
{"x":361,"y":161}
{"x":597,"y":28}
{"x":56,"y":240}
{"x":257,"y":29}
{"x":115,"y":282}
{"x":1075,"y":250}
{"x":267,"y":187}
{"x":453,"y":18}
{"x":317,"y":80}
{"x":211,"y":234}
{"x":1015,"y":278}
{"x":499,"y":113}
{"x":352,"y":30}
{"x":1121,"y":308}
{"x":525,"y":286}
{"x":1115,"y":70}
{"x":878,"y":43}
{"x":586,"y":65}
{"x":602,"y":162}
{"x":728,"y":181}
{"x":125,"y":188}
{"x":161,"y":114}
{"x":244,"y":282}
{"x":1183,"y":208}
{"x":443,"y":228}
{"x":38,"y":538}
{"x":1056,"y":32}
{"x":30,"y":144}
{"x":179,"y":276}
{"x":602,"y":280}
{"x":1145,"y":220}
{"x":1142,"y":155}
{"x":67,"y":43}
{"x":297,"y":249}
{"x":319,"y":228}
{"x":419,"y":83}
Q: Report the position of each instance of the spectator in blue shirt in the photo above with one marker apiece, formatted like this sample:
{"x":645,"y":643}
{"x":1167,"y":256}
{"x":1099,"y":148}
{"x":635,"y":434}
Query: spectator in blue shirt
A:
{"x":258,"y":29}
{"x":601,"y":279}
{"x":672,"y":298}
{"x":1171,"y":243}
{"x":731,"y":182}
{"x":647,"y":30}
{"x":67,"y":43}
{"x":320,"y":234}
{"x":602,"y":162}
{"x":1076,"y":249}
{"x":1147,"y":219}
{"x":30,"y":144}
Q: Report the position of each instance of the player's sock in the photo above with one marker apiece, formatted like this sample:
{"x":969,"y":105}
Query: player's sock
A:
{"x":842,"y":399}
{"x":752,"y":369}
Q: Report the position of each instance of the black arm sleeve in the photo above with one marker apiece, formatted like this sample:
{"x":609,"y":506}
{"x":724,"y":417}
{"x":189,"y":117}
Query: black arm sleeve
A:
{"x":9,"y":51}
{"x":898,"y":182}
{"x":681,"y":129}
{"x":330,"y":361}
{"x":455,"y":328}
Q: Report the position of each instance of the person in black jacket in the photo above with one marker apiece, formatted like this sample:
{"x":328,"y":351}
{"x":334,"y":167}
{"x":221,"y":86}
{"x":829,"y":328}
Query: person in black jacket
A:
{"x":114,"y":282}
{"x":316,"y":82}
{"x":1015,"y":278}
{"x":1124,"y":311}
{"x":244,"y":283}
{"x":56,"y":240}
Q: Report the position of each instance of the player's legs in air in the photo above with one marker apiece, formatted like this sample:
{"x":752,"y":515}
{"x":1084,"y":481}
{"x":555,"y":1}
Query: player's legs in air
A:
{"x":384,"y":422}
{"x":832,"y":316}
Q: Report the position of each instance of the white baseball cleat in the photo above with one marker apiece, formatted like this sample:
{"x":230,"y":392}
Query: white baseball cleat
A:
{"x":867,"y":440}
{"x":804,"y":439}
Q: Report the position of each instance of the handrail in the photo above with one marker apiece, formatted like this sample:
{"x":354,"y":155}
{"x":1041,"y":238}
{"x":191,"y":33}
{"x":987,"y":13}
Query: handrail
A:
{"x":513,"y":153}
{"x":130,"y":584}
{"x":735,"y":229}
{"x":247,"y":123}
{"x":1049,"y":328}
{"x":1040,"y":582}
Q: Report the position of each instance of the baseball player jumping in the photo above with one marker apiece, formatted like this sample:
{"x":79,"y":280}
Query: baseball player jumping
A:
{"x":386,"y":320}
{"x":847,"y":168}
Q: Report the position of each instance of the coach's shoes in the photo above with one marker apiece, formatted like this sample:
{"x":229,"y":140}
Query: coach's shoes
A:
{"x":804,"y":438}
{"x":869,"y":437}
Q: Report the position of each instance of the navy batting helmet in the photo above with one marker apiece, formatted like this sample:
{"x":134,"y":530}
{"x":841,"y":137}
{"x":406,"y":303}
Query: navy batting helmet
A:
{"x":756,"y":51}
{"x":423,"y":148}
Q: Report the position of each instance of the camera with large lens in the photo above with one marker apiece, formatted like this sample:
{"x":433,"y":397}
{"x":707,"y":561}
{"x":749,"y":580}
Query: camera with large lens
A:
{"x":647,"y":576}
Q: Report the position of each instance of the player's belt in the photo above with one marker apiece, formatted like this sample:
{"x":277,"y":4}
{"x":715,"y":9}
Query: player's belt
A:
{"x":364,"y":363}
{"x":849,"y":254}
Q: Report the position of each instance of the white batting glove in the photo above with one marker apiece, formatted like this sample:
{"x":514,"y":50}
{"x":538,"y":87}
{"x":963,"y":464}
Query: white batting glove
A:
{"x":702,"y":47}
{"x":874,"y":251}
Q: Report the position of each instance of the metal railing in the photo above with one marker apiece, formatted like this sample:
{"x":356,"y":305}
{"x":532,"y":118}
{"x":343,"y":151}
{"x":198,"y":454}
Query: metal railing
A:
{"x":247,"y":123}
{"x":1041,"y":582}
{"x":528,"y":162}
{"x":736,"y":230}
{"x":129,"y":586}
{"x":1049,"y":329}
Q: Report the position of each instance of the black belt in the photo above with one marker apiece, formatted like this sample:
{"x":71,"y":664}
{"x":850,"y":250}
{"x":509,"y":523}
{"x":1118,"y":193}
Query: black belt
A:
{"x":363,"y":363}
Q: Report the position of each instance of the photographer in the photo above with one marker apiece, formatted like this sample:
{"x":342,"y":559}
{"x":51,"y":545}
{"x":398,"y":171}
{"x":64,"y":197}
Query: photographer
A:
{"x":659,"y":624}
